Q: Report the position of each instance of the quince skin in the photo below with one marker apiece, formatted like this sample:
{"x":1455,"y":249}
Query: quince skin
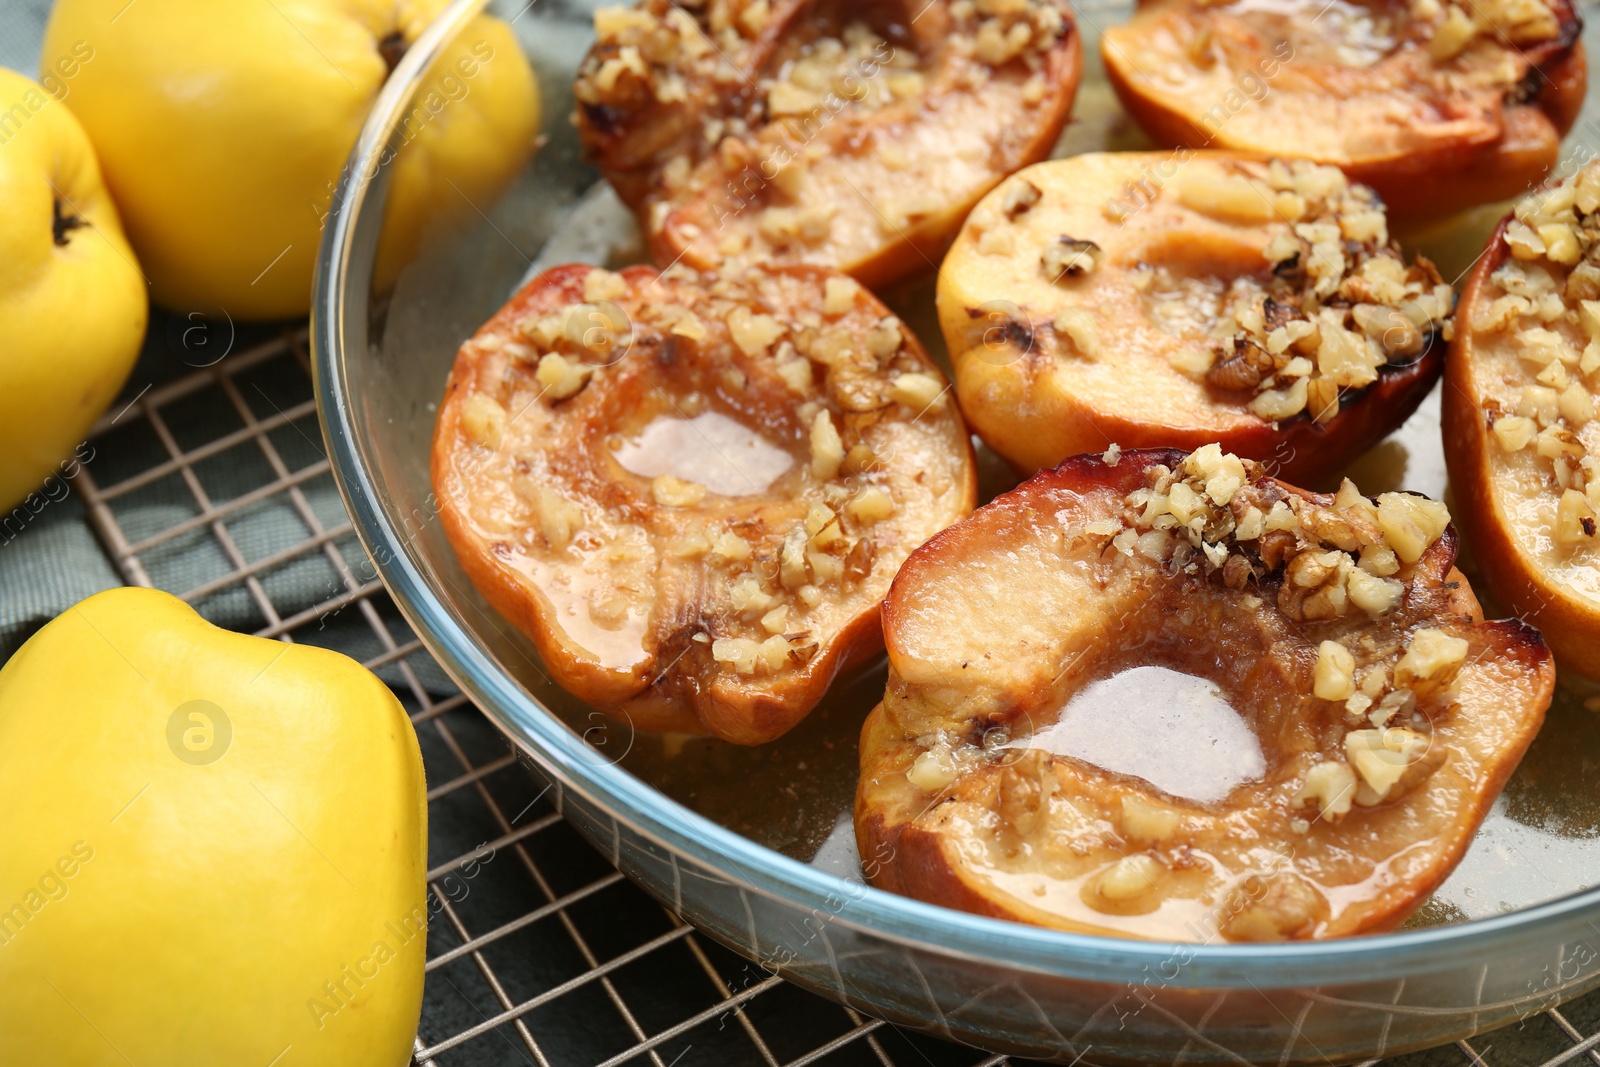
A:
{"x":72,"y":302}
{"x":223,"y":128}
{"x":215,"y":848}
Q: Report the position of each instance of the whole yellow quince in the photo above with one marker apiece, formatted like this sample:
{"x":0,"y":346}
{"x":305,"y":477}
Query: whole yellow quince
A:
{"x":214,"y":848}
{"x":223,"y":127}
{"x":72,"y":302}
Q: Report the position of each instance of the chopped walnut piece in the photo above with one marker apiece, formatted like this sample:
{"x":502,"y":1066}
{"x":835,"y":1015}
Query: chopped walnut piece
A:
{"x":885,"y":339}
{"x":484,"y":420}
{"x":747,"y":596}
{"x":1411,"y":523}
{"x":839,"y":295}
{"x":1335,"y":672}
{"x":1332,"y":787}
{"x":1019,"y":197}
{"x":559,"y":518}
{"x":1575,"y":518}
{"x":1372,"y":594}
{"x":740,"y":653}
{"x":1024,"y":792}
{"x":1451,"y":37}
{"x":1430,"y":654}
{"x":1068,"y":257}
{"x":690,"y":326}
{"x":1079,"y":324}
{"x":1275,"y":405}
{"x":870,"y":505}
{"x":730,"y":547}
{"x":562,"y":377}
{"x":1240,"y":198}
{"x":675,"y":493}
{"x":1382,"y":759}
{"x":1222,"y":473}
{"x":600,"y":285}
{"x":1514,"y":433}
{"x":691,"y":545}
{"x":1130,"y":877}
{"x":827,"y":450}
{"x":916,"y":390}
{"x":933,"y":770}
{"x":754,"y":334}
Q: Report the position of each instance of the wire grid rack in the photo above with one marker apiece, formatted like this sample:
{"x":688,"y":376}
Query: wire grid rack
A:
{"x":538,"y":951}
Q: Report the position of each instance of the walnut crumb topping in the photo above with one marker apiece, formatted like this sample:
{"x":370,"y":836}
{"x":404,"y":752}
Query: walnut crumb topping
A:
{"x":1549,"y":304}
{"x":1218,"y":513}
{"x":1341,"y":303}
{"x":1452,"y":28}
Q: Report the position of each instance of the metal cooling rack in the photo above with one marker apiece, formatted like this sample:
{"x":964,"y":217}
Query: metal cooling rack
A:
{"x":538,"y":951}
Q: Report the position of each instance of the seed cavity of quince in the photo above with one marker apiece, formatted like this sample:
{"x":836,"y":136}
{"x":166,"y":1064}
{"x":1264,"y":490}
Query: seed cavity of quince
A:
{"x":1219,"y":516}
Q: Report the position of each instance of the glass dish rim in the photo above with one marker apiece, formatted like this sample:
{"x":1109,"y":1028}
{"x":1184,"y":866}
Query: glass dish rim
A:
{"x":563,"y":754}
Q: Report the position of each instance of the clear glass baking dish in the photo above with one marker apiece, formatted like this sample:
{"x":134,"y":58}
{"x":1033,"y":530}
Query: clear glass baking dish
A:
{"x":754,"y":846}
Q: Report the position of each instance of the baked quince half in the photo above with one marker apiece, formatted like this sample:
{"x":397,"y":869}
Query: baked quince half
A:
{"x":1167,"y":696}
{"x":1437,"y":104}
{"x":1256,"y":303}
{"x":1521,"y":439}
{"x":692,"y":490}
{"x":812,"y":131}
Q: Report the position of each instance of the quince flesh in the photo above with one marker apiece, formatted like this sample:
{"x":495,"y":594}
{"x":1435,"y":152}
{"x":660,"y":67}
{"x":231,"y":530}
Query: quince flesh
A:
{"x":1438,"y":106}
{"x":1386,"y":723}
{"x":1259,"y":304}
{"x":691,"y":490}
{"x":806,"y":132}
